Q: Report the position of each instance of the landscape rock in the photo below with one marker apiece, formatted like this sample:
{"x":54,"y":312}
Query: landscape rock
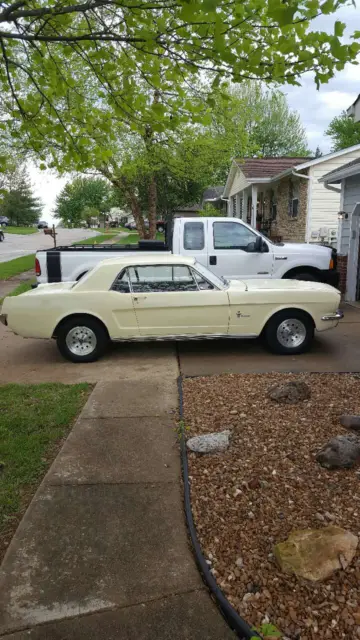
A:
{"x":290,"y":392}
{"x":314,"y":554}
{"x":216,"y":442}
{"x":350,"y":422}
{"x":340,"y":452}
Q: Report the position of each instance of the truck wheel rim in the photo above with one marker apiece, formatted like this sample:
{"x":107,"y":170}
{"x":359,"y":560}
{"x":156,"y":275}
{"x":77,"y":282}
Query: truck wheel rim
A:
{"x":291,"y":333}
{"x":81,"y":341}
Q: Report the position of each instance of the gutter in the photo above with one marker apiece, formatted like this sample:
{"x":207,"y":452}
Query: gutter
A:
{"x":331,"y":188}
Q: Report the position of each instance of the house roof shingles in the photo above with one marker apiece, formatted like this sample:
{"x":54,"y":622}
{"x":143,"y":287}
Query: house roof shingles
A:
{"x":267,"y":167}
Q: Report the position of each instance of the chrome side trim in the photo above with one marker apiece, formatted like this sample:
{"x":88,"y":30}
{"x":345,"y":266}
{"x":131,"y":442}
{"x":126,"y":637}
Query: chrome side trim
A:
{"x":333,"y":316}
{"x":3,"y":318}
{"x":185,"y":336}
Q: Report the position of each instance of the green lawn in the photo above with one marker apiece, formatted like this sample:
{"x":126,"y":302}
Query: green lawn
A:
{"x":21,"y":230}
{"x":104,"y":237}
{"x":134,"y":237}
{"x":34,"y":419}
{"x":14,"y":267}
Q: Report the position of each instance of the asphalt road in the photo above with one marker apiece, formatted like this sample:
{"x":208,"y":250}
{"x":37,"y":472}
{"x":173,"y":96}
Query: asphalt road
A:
{"x":15,"y":246}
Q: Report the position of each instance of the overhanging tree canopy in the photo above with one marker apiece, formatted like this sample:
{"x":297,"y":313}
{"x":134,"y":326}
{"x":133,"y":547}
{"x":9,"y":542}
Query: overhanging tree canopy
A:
{"x":48,"y":48}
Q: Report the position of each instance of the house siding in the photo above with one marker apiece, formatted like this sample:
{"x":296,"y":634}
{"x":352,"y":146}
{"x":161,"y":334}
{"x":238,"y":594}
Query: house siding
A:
{"x":351,"y":197}
{"x":239,"y":183}
{"x":325,"y":204}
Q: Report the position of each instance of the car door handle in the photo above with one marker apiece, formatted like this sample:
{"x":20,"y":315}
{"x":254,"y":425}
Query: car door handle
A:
{"x":212,"y":260}
{"x":138,"y":298}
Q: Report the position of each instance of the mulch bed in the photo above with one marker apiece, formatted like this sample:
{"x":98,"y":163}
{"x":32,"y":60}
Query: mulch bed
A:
{"x":267,"y":484}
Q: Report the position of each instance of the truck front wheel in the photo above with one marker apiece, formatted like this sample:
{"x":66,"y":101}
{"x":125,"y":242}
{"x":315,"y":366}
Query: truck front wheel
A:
{"x":289,"y":332}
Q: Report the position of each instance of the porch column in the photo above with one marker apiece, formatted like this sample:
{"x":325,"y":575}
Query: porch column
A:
{"x":238,"y":199}
{"x":245,"y":204}
{"x":254,"y":196}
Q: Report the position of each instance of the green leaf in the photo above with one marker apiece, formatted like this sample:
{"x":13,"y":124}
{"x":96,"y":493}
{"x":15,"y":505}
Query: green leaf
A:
{"x":339,"y":28}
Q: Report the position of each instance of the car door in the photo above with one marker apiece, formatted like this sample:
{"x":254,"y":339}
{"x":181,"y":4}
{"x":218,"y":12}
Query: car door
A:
{"x":229,"y":255}
{"x":170,"y":301}
{"x":122,"y":323}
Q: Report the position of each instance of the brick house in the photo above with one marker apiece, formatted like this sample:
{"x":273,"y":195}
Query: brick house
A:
{"x":291,"y":204}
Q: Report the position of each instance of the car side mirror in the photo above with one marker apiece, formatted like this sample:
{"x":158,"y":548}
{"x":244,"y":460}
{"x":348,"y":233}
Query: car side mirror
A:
{"x":255,"y":247}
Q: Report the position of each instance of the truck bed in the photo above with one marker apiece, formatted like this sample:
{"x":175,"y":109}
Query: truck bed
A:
{"x":142,"y":245}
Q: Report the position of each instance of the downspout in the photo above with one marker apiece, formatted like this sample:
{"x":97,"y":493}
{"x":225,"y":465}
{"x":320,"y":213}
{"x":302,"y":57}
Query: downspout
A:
{"x":309,"y":178}
{"x":331,"y":188}
{"x":227,"y":204}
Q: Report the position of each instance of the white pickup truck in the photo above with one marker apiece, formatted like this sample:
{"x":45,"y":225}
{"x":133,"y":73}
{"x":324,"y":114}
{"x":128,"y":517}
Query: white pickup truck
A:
{"x":227,"y":246}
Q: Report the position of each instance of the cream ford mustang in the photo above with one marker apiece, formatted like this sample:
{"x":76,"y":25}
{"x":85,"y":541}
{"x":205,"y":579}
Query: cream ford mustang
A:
{"x":169,"y":297}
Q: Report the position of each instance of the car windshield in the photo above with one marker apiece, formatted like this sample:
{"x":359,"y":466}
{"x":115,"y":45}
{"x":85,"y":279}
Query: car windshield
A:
{"x":219,"y":282}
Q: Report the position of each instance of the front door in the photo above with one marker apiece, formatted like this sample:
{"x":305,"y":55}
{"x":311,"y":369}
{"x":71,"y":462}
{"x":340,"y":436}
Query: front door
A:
{"x":228,"y":255}
{"x":170,"y":301}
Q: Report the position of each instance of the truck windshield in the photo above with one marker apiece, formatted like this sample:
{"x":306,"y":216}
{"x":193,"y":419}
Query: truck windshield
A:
{"x":219,"y":282}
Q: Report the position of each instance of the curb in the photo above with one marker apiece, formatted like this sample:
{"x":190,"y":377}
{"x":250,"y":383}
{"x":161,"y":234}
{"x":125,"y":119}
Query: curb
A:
{"x":235,"y":622}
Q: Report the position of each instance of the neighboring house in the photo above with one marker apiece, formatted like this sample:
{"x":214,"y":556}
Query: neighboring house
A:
{"x":347,"y":179}
{"x":214,"y":197}
{"x":354,"y":110}
{"x":191,"y":212}
{"x":283,"y":198}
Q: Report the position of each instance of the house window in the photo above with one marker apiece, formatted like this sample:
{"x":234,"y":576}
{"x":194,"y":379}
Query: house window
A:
{"x":273,"y":208}
{"x":293,"y":199}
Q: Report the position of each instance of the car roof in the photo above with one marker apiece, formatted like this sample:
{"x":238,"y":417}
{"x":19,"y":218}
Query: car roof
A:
{"x":167,"y":258}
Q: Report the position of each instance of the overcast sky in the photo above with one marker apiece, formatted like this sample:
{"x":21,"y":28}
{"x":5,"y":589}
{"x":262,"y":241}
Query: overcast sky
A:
{"x":316,"y":108}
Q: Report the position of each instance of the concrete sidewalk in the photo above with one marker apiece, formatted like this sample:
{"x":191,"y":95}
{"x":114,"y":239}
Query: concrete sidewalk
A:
{"x":102,"y":552}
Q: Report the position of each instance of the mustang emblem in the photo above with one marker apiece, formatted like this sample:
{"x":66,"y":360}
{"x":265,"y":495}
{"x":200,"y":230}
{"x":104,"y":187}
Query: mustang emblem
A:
{"x":242,"y":315}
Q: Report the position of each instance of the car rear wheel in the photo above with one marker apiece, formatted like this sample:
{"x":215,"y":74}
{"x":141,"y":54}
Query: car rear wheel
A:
{"x":82,"y":339}
{"x":289,"y":332}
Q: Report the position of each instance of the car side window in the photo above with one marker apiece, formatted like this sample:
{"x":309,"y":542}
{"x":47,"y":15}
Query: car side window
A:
{"x":232,"y":235}
{"x":121,"y":283}
{"x":161,"y":279}
{"x":194,"y":236}
{"x":204,"y":285}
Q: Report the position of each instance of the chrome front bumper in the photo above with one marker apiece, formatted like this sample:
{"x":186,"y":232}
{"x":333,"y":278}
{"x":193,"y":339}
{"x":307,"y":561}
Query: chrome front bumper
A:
{"x":333,"y":316}
{"x":3,"y":318}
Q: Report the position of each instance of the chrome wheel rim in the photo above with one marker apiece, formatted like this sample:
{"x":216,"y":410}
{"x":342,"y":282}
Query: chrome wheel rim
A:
{"x":81,"y":341}
{"x":291,"y":333}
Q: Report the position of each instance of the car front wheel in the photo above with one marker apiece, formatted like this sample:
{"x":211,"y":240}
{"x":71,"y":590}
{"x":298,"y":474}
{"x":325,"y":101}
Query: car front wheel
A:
{"x":82,"y":339}
{"x":289,"y":332}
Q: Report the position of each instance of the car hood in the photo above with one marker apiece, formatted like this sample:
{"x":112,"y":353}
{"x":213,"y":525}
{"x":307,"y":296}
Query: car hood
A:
{"x":285,"y":285}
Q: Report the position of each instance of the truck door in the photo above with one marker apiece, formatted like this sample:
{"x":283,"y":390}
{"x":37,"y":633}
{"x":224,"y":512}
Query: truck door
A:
{"x":229,"y":251}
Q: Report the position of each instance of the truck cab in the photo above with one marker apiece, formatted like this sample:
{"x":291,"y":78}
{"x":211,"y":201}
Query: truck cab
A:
{"x":231,"y":248}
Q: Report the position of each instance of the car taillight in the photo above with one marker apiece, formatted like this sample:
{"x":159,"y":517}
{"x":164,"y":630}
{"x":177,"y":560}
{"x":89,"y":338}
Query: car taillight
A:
{"x":37,"y":267}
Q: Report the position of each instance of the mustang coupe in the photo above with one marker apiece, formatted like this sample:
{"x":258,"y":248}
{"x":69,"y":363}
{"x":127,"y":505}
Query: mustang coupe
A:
{"x":170,"y":298}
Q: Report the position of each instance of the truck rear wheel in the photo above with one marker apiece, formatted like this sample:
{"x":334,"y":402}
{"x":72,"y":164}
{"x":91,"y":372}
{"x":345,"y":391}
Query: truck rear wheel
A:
{"x":289,"y":332}
{"x":82,"y":339}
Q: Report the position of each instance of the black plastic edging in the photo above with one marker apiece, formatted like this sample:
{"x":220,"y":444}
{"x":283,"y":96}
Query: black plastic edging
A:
{"x":235,"y":622}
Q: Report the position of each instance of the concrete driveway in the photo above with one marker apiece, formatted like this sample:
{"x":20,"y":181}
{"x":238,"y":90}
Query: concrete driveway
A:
{"x":26,"y":360}
{"x":334,"y":350}
{"x":15,"y":246}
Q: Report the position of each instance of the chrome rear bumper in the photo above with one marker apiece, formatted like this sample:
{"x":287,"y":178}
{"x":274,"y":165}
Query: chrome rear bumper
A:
{"x":3,"y":318}
{"x":333,"y":316}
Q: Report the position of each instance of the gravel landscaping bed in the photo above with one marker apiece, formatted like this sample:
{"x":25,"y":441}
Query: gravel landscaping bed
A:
{"x":267,"y":484}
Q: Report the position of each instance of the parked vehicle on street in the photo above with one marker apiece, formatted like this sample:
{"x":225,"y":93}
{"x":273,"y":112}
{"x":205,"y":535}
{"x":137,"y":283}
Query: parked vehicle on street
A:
{"x":4,"y":221}
{"x":170,"y":297}
{"x":42,"y":224}
{"x":227,"y":246}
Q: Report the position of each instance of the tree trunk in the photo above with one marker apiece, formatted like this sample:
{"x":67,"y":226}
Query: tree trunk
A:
{"x":152,"y":202}
{"x":139,"y":219}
